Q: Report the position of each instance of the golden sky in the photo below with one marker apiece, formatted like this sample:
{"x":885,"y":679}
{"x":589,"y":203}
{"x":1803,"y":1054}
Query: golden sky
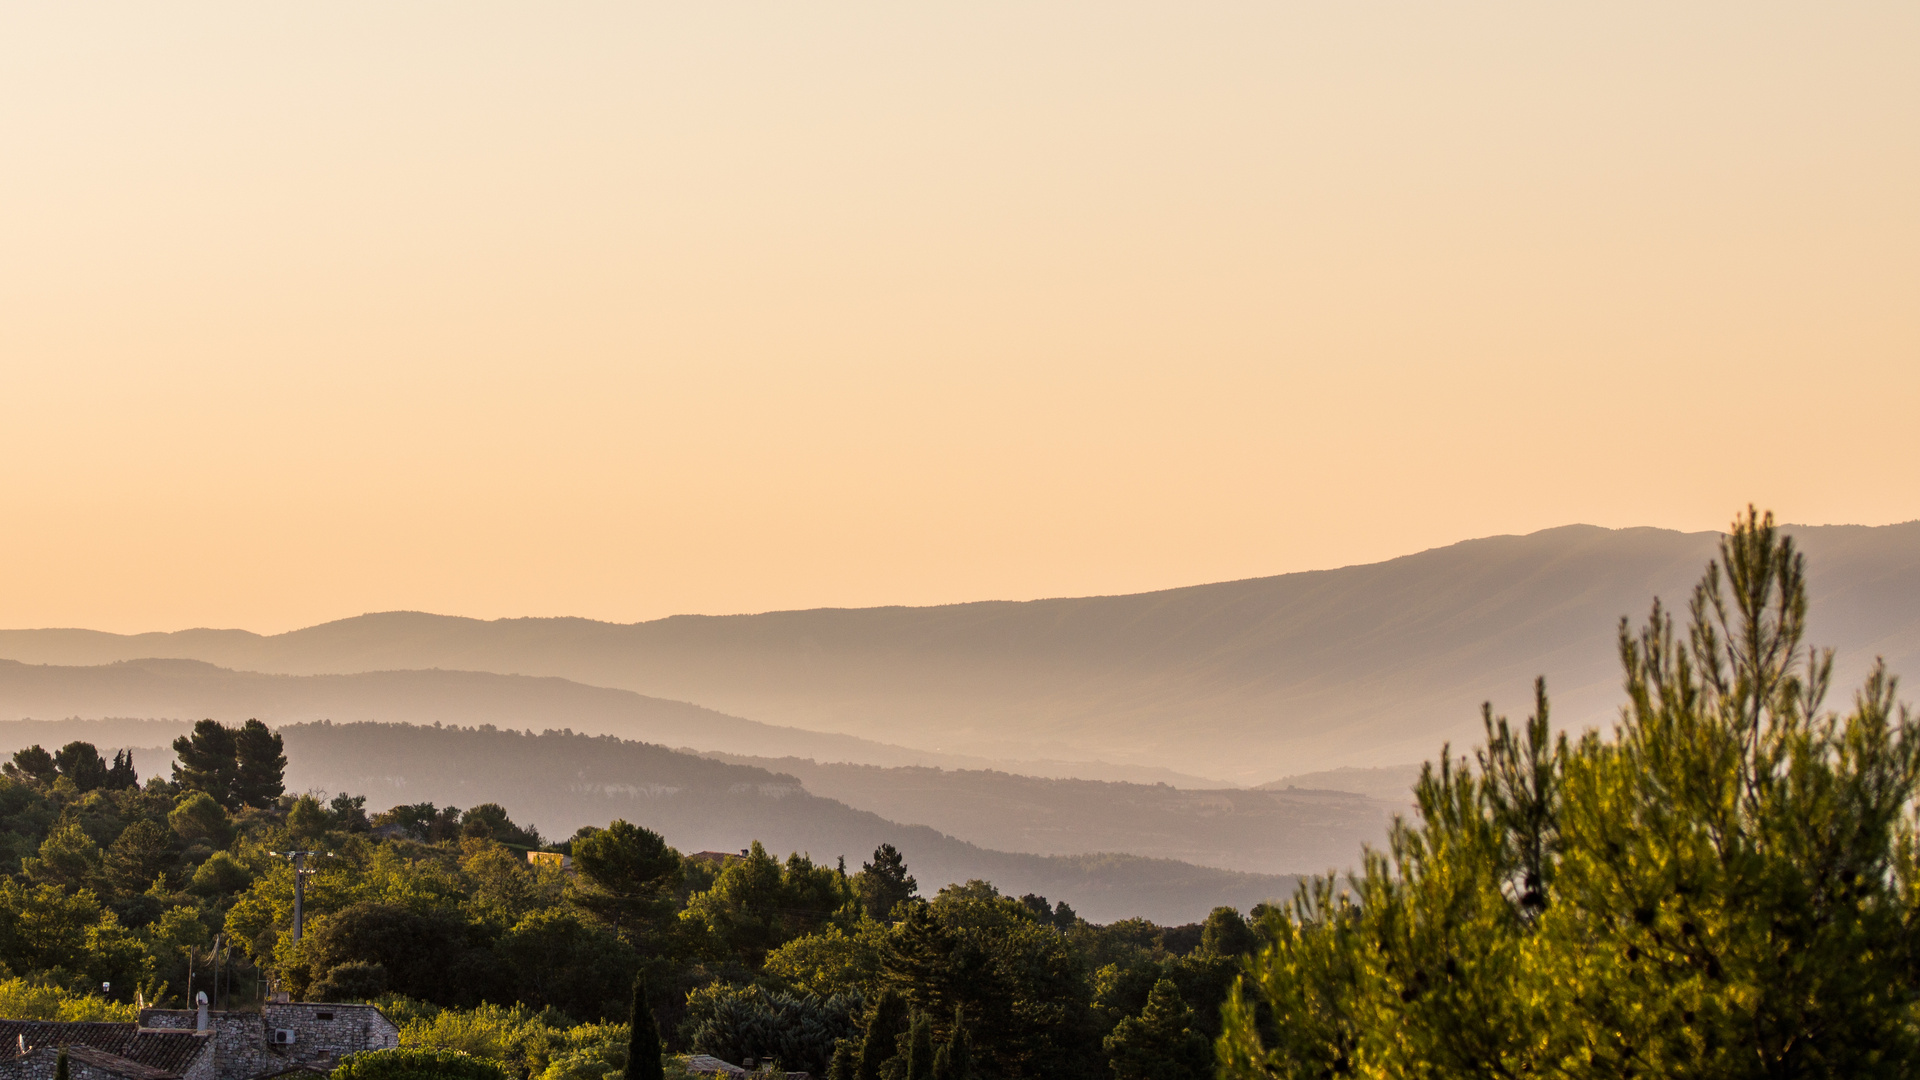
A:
{"x":628,"y":309}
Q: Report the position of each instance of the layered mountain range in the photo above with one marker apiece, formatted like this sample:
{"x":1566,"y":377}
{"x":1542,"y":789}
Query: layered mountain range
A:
{"x":1240,"y":681}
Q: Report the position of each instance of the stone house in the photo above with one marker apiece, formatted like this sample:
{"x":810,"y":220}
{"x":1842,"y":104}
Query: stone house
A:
{"x":103,"y":1051}
{"x":284,"y":1039}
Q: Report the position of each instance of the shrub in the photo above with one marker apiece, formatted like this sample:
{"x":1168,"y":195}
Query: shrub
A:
{"x":418,"y":1064}
{"x":21,"y":1000}
{"x":355,"y":980}
{"x":521,"y":1039}
{"x":798,"y":1031}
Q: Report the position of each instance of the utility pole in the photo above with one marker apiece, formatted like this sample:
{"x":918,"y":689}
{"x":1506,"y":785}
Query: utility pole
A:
{"x":300,"y":873}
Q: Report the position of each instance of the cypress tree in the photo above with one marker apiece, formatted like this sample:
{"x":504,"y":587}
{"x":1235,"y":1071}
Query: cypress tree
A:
{"x":884,"y":1025}
{"x":954,"y":1059}
{"x":920,"y":1048}
{"x":60,"y":1065}
{"x":643,"y":1045}
{"x":121,"y":776}
{"x":845,"y":1053}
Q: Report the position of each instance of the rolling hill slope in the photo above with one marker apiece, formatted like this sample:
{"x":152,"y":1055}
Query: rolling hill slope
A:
{"x":1277,"y":831}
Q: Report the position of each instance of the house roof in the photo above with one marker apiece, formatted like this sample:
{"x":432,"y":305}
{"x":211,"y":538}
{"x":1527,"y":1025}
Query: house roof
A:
{"x":171,"y":1052}
{"x":112,"y":1063}
{"x":707,"y":1063}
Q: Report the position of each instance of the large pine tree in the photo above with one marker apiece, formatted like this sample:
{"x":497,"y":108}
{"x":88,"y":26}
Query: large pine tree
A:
{"x":260,"y":765}
{"x":207,"y":762}
{"x":81,"y":763}
{"x":884,"y":883}
{"x":1724,"y":885}
{"x":238,"y":767}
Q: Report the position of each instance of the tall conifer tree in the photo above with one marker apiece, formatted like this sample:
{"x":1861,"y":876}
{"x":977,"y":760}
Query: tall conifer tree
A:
{"x":919,"y":1048}
{"x":643,"y":1039}
{"x":954,"y":1059}
{"x":884,"y":1025}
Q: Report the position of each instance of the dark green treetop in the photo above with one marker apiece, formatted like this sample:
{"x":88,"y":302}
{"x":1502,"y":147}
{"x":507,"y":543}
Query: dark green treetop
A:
{"x":260,"y":766}
{"x":34,"y":763}
{"x":1160,"y":1043}
{"x":884,"y":883}
{"x":81,"y":763}
{"x":206,"y":761}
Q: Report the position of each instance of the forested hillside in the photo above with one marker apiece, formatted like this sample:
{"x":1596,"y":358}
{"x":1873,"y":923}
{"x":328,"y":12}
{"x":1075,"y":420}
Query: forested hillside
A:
{"x":130,"y":890}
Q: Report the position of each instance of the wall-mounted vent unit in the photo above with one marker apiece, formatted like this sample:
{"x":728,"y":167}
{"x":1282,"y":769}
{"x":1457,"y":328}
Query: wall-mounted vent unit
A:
{"x":283,"y":1036}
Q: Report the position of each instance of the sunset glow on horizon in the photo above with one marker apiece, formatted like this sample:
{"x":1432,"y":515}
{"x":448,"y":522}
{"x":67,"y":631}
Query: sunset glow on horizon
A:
{"x":624,"y":311}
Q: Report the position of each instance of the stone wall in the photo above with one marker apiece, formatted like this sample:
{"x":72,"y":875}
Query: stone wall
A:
{"x":240,"y":1049}
{"x":322,"y":1034}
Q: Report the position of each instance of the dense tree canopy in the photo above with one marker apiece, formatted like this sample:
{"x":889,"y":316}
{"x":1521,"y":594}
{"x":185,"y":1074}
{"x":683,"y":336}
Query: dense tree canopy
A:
{"x":438,"y":914}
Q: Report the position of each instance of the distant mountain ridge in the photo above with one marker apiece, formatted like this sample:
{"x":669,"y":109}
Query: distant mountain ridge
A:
{"x":1250,"y":680}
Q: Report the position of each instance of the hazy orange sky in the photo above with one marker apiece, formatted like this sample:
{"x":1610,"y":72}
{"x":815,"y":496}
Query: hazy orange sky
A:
{"x":622,"y":310}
